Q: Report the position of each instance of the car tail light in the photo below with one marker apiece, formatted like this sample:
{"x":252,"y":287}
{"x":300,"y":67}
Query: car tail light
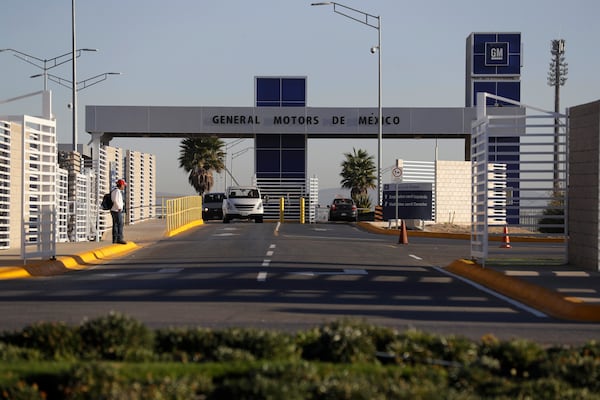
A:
{"x":353,"y":207}
{"x":333,"y":207}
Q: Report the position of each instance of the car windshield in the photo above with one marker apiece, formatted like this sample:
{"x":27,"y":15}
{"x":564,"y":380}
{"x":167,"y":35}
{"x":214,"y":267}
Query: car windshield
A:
{"x":342,"y":201}
{"x":213,"y":197}
{"x":244,"y":193}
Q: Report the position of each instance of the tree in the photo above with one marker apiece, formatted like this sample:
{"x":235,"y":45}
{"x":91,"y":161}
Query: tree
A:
{"x":554,"y":215}
{"x":358,"y":175}
{"x":199,"y":157}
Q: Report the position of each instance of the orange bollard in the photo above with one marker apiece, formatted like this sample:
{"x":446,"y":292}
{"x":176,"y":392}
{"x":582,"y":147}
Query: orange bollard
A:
{"x":506,"y":240}
{"x":403,"y":238}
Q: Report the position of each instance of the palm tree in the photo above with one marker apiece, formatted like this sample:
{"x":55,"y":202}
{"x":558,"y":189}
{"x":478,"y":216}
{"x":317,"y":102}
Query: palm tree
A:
{"x":358,"y":175}
{"x":199,"y":157}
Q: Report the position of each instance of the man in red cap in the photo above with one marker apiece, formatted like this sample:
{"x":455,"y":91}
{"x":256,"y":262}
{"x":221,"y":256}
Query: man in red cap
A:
{"x":117,"y":212}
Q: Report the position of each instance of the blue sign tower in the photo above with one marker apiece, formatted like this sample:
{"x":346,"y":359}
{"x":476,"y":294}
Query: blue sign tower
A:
{"x":494,"y":66}
{"x":281,"y":158}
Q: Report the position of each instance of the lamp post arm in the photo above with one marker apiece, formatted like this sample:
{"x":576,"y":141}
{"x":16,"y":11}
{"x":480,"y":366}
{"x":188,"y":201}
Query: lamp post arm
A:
{"x":94,"y":80}
{"x":46,"y":64}
{"x":81,"y":84}
{"x":366,"y":20}
{"x":352,"y":13}
{"x":61,"y":81}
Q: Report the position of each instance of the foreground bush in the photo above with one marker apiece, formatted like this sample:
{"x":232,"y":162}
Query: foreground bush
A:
{"x":116,"y":357}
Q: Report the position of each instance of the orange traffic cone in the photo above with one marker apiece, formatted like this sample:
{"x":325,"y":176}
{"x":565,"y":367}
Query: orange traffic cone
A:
{"x":403,"y":238}
{"x":506,"y":240}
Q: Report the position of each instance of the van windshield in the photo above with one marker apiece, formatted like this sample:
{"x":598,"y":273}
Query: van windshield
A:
{"x":244,"y":193}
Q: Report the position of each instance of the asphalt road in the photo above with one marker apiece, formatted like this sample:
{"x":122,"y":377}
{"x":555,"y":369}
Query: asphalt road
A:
{"x":287,"y":277}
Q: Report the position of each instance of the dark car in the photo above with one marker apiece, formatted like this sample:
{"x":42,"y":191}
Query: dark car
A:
{"x":342,"y":209}
{"x":212,"y":206}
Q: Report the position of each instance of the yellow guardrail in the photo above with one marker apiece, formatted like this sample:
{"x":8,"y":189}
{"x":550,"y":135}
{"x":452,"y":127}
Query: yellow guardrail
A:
{"x":183,"y":212}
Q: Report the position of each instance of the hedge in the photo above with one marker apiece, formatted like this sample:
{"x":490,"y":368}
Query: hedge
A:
{"x":117,"y":357}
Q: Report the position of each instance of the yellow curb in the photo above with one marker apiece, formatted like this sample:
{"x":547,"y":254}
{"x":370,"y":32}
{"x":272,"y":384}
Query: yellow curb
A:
{"x":114,"y":249}
{"x":13,"y":273}
{"x":185,"y":227}
{"x":62,"y":264}
{"x":540,"y":298}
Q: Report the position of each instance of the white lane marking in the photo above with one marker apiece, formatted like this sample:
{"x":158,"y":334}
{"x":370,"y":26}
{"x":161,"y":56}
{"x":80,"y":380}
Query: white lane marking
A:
{"x":262,"y":276}
{"x":269,"y":253}
{"x":272,"y":246}
{"x":345,"y":272}
{"x":336,"y":238}
{"x":355,"y":272}
{"x":277,"y":227}
{"x":515,"y":303}
{"x":226,"y":234}
{"x":169,"y":270}
{"x":266,"y":263}
{"x":415,"y":257}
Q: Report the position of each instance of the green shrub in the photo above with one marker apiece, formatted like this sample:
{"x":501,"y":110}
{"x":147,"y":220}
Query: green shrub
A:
{"x":339,"y":341}
{"x":10,"y":353}
{"x":116,"y":337}
{"x":54,"y":340}
{"x":268,"y":380}
{"x":22,"y":391}
{"x":580,"y":368}
{"x":186,"y":345}
{"x":105,"y":381}
{"x":521,"y":359}
{"x":197,"y":345}
{"x":261,"y":344}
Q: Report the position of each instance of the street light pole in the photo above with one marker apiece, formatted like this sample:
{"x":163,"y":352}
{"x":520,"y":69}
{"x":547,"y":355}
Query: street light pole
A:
{"x":373,"y":22}
{"x":233,"y":157}
{"x":74,"y":89}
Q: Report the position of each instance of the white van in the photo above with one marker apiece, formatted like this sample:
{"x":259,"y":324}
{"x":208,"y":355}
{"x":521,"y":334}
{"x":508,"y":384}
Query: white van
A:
{"x":243,"y":202}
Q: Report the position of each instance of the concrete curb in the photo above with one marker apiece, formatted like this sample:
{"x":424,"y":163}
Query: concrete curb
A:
{"x":395,"y":232}
{"x":63,"y":264}
{"x":540,"y":298}
{"x":442,"y":235}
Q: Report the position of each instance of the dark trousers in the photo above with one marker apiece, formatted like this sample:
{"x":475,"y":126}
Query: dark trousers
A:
{"x":117,"y":227}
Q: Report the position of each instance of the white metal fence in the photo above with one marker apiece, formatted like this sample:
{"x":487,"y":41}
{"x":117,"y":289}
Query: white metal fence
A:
{"x":519,"y":175}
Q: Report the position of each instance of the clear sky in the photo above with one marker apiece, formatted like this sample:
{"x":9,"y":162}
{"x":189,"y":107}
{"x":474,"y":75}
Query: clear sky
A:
{"x":207,"y":53}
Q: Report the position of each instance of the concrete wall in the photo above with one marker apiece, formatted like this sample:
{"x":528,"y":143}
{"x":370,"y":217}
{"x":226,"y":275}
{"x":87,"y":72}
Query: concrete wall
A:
{"x":584,"y":196}
{"x":453,"y":192}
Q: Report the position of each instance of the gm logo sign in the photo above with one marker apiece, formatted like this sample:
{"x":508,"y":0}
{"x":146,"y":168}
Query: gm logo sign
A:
{"x":496,"y":54}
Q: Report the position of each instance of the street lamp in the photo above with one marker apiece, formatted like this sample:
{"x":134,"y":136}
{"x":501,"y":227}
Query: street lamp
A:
{"x":227,"y":147}
{"x":234,"y":156}
{"x":45,"y":65}
{"x":81,"y":84}
{"x":373,"y":22}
